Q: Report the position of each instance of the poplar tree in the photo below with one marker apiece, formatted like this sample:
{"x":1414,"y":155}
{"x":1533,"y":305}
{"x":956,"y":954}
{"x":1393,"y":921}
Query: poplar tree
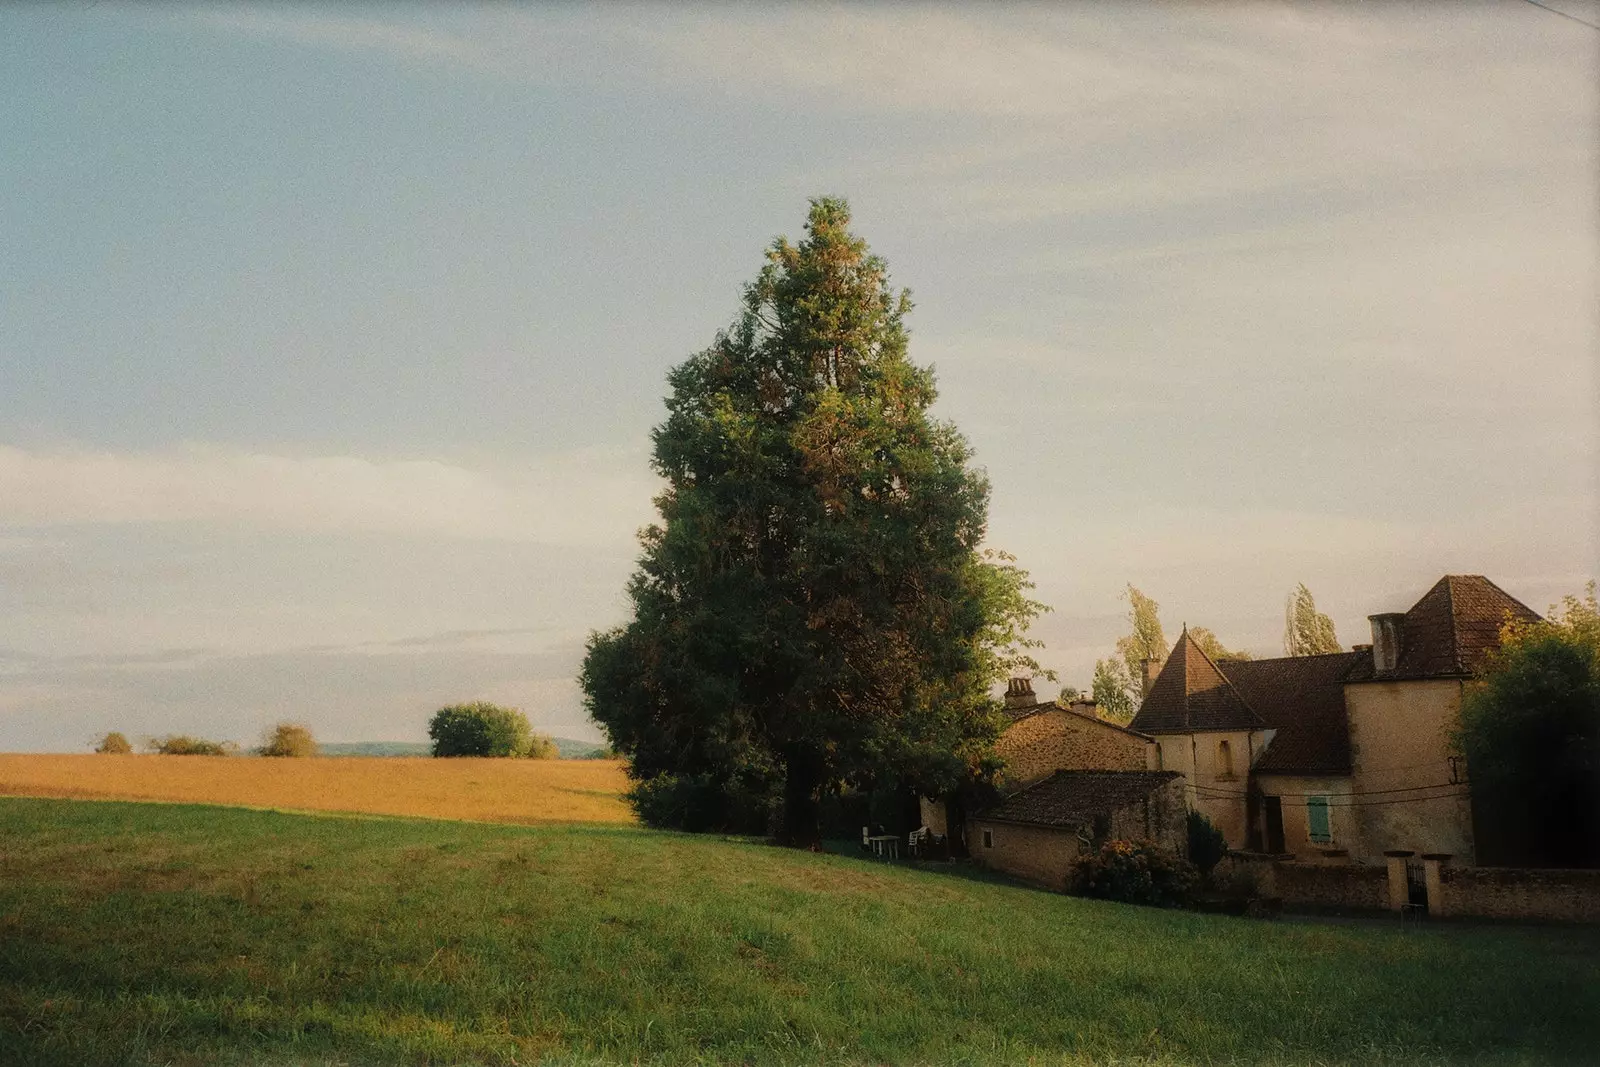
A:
{"x":1147,"y":641}
{"x":1307,"y":631}
{"x":813,"y":608}
{"x":1211,"y":646}
{"x":1119,"y":681}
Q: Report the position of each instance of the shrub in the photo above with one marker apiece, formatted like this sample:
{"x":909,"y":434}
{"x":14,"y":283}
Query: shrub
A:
{"x":1134,"y":872}
{"x":1206,"y":843}
{"x":113,"y":744}
{"x":288,"y":739}
{"x":184,"y":745}
{"x":483,"y":729}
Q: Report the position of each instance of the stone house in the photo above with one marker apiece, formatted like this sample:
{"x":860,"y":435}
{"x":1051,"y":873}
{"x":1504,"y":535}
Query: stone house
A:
{"x":1335,"y":758}
{"x":1037,"y":832}
{"x":1070,"y":778}
{"x":1042,"y":738}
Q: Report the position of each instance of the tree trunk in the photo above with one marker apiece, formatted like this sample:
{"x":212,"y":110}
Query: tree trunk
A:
{"x":801,"y":808}
{"x":955,"y":825}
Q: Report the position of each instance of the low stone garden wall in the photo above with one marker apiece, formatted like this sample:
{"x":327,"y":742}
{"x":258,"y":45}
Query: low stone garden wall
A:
{"x":1520,"y":893}
{"x":1453,"y":892}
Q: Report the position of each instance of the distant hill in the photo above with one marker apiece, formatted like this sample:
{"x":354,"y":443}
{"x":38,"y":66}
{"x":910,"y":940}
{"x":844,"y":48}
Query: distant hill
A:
{"x":569,"y":748}
{"x":375,"y":748}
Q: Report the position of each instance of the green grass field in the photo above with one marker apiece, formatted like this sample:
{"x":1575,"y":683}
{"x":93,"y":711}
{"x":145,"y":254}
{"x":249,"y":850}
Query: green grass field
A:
{"x":174,"y":934}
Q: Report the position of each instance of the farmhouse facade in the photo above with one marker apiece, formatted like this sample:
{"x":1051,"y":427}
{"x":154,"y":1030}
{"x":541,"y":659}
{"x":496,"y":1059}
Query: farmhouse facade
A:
{"x":1342,"y":757}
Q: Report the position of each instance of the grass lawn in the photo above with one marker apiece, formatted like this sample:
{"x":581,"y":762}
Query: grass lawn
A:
{"x":172,"y":934}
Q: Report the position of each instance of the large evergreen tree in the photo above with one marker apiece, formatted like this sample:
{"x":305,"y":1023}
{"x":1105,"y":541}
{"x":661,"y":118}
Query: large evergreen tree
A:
{"x":813,"y":608}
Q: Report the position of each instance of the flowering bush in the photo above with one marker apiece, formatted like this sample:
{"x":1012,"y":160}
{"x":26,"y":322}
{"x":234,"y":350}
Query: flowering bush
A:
{"x":1134,"y":872}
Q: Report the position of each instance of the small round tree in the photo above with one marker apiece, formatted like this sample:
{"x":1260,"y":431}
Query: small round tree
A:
{"x":113,"y":744}
{"x":291,"y":739}
{"x":483,"y":729}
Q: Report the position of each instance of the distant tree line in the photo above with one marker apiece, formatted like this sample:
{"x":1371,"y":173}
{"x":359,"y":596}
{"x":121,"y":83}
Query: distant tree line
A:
{"x":475,"y":729}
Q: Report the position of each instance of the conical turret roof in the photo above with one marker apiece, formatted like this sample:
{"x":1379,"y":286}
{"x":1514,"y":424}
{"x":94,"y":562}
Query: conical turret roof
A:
{"x":1192,"y":694}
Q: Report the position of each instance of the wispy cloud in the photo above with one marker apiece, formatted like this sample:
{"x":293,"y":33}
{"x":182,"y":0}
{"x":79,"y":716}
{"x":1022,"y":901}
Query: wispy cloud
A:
{"x":1086,"y":111}
{"x":577,"y":499}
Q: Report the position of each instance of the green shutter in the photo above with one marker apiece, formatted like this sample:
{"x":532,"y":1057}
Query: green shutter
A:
{"x":1317,"y":817}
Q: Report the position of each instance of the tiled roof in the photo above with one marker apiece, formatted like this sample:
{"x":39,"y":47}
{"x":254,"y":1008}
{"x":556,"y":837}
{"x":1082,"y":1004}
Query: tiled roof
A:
{"x":1447,"y":633}
{"x":1016,"y":715}
{"x":1191,"y":693}
{"x":1302,"y":698}
{"x":1074,"y":798}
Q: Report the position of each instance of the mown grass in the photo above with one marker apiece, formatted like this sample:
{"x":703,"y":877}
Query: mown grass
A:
{"x":488,"y":790}
{"x":133,"y":933}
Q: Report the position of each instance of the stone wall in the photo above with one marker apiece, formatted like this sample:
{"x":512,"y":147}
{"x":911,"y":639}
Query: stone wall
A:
{"x":1520,"y":893}
{"x":1453,"y":892}
{"x":1305,"y":885}
{"x":1036,"y":854}
{"x":1162,"y":818}
{"x":1056,"y":740}
{"x":1317,"y":885}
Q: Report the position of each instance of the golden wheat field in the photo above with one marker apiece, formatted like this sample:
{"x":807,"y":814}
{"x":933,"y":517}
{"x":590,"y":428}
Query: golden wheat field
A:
{"x":482,"y":790}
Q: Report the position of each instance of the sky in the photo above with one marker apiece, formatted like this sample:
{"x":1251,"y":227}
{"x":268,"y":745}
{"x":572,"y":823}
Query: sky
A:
{"x":331,"y":337}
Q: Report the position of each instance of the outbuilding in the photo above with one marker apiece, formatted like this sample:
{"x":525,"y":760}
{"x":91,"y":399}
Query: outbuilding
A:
{"x":1038,"y":833}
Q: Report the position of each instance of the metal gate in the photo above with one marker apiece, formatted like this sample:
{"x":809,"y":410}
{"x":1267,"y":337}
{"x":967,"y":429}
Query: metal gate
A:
{"x":1416,"y":885}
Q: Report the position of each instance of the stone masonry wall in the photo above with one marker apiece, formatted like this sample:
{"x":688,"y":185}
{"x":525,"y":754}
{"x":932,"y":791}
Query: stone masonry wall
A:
{"x":1163,"y":820}
{"x":1517,"y":893}
{"x":1054,"y":740}
{"x":1319,"y":885}
{"x":1464,"y":892}
{"x":1033,"y":853}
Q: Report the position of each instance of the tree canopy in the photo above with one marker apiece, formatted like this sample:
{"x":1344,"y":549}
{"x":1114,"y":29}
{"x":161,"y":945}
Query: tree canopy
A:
{"x":484,"y":729}
{"x":1530,"y":729}
{"x":813,"y":608}
{"x":1211,"y":646}
{"x":1119,"y":681}
{"x":288,"y":739}
{"x":1307,"y":631}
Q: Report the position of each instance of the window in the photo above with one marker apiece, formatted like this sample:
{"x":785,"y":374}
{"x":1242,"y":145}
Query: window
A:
{"x":1224,"y":760}
{"x":1161,"y":762}
{"x":988,"y":839}
{"x":1317,"y":818}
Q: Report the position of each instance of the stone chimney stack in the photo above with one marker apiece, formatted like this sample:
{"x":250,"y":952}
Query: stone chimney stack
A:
{"x":1151,"y":670}
{"x":1386,"y":639}
{"x":1019,"y":693}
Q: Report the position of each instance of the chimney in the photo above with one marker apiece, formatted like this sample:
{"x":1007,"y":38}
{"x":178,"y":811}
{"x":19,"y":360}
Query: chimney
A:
{"x":1019,"y":693}
{"x":1151,"y":669}
{"x":1386,"y":638}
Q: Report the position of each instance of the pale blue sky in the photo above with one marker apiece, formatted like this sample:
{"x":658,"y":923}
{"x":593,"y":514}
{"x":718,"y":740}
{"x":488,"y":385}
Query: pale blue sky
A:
{"x":331,"y":336}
